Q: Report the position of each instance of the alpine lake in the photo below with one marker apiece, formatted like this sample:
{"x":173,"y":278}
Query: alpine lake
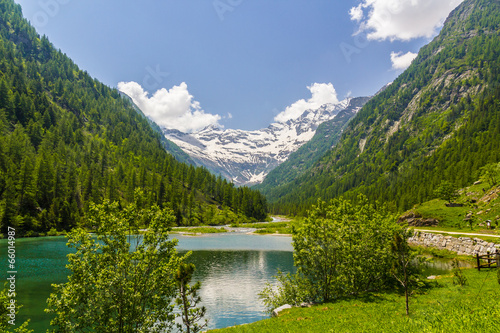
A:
{"x":232,"y":267}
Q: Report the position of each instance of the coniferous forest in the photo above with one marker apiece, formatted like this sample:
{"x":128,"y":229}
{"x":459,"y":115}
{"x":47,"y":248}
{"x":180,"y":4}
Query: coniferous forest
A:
{"x":438,"y":121}
{"x":79,"y":158}
{"x":67,"y":140}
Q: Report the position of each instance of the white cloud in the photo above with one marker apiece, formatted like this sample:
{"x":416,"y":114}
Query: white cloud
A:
{"x":402,"y":61}
{"x":322,"y":93}
{"x":173,"y":109}
{"x":401,"y":19}
{"x":356,"y":13}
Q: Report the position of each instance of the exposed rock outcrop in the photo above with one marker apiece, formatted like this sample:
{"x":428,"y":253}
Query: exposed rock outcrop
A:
{"x":414,"y":219}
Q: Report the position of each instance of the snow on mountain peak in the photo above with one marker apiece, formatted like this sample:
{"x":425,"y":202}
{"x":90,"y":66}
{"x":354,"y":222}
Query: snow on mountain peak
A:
{"x":246,"y":157}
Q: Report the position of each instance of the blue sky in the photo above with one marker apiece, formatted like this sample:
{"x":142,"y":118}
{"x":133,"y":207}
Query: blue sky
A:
{"x":238,"y":63}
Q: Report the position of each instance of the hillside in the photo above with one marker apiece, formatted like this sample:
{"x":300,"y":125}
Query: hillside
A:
{"x":67,"y":140}
{"x":171,"y":147}
{"x":327,"y":135}
{"x":439,"y":120}
{"x":473,"y":207}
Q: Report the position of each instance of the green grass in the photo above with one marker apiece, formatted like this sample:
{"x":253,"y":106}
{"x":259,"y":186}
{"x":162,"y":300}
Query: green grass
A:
{"x":274,"y":228}
{"x":284,"y":227}
{"x":199,"y":230}
{"x":452,"y":218}
{"x":443,"y":308}
{"x":447,"y":216}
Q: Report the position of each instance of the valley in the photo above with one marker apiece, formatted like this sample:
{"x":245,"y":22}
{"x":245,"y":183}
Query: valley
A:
{"x":137,"y":197}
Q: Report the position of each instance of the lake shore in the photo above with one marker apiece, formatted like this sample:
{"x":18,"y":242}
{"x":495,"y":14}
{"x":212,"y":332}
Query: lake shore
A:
{"x":445,"y":307}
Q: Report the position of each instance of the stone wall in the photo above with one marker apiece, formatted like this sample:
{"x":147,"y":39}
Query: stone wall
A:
{"x":461,"y":245}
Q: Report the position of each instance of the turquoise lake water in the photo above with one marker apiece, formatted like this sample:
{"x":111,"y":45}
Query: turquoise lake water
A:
{"x":233,"y":269}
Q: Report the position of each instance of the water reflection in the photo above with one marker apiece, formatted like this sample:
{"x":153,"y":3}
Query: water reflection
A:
{"x":231,"y":281}
{"x":441,"y":266}
{"x":233,"y":269}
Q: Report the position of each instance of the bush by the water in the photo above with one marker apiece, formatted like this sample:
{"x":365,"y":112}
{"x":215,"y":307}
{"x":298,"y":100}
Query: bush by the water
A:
{"x":340,"y":250}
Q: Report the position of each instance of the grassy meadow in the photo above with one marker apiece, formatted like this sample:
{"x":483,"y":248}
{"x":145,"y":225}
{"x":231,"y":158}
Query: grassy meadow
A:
{"x":443,"y":307}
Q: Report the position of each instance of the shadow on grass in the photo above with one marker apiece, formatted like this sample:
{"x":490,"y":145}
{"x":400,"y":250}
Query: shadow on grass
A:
{"x":367,"y":297}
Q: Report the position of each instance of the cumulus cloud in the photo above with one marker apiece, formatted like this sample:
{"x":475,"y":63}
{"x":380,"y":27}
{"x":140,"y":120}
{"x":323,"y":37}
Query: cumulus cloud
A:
{"x":174,"y":108}
{"x":322,"y":93}
{"x":402,"y":61}
{"x":401,"y":19}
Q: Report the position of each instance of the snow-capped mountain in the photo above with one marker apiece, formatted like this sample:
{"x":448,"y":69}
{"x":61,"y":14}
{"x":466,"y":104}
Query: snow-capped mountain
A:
{"x":246,"y":157}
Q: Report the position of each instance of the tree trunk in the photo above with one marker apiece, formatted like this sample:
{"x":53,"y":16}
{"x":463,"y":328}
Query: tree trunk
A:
{"x":406,"y":292}
{"x":185,"y":308}
{"x":407,"y":302}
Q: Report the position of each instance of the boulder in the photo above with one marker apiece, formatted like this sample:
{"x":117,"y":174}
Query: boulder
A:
{"x":277,"y":311}
{"x":414,"y":219}
{"x":409,"y":216}
{"x":423,"y":222}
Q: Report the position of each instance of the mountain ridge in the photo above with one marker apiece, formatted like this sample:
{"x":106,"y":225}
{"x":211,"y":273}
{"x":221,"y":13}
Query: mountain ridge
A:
{"x":326,"y":137}
{"x":437,"y":121}
{"x":246,"y":157}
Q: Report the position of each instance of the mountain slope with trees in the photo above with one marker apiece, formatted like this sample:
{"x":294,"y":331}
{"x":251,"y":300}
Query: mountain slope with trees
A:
{"x":67,"y":140}
{"x":327,"y":135}
{"x":439,"y":120}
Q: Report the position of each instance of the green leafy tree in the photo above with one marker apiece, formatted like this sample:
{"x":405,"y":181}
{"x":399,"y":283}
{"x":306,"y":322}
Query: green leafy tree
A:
{"x":119,"y":282}
{"x":491,"y":173}
{"x":341,"y":249}
{"x":447,"y":191}
{"x":188,"y":300}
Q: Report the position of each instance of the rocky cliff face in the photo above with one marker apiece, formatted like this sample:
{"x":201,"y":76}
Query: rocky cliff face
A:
{"x":246,"y":157}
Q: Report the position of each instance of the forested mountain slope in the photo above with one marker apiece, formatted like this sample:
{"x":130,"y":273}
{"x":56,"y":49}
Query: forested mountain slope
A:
{"x":439,"y":120}
{"x":67,"y":140}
